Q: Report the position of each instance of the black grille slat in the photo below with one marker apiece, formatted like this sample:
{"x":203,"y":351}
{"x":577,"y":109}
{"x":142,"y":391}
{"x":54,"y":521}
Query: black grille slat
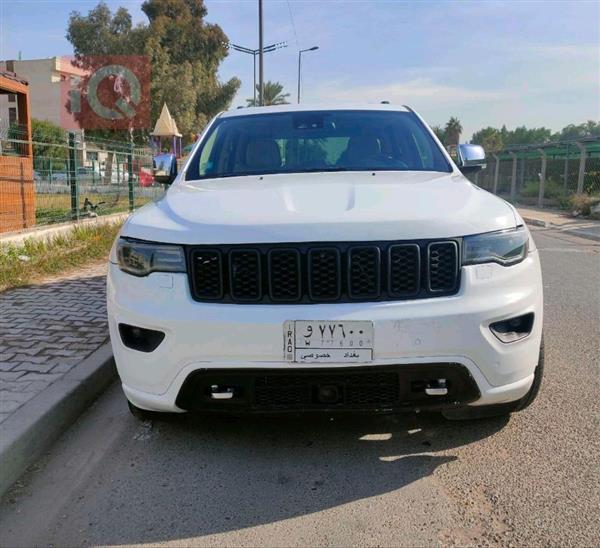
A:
{"x":285,"y":274}
{"x":364,"y":272}
{"x":340,"y":272}
{"x":404,"y":270}
{"x":324,"y":274}
{"x":443,"y":266}
{"x":354,"y":389}
{"x":245,"y":274}
{"x":208,"y":274}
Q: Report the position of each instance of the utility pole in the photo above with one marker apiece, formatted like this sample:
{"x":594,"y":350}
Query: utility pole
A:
{"x":261,"y":83}
{"x":300,"y":66}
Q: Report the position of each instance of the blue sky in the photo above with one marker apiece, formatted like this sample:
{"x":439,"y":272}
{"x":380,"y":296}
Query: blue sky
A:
{"x":488,"y":63}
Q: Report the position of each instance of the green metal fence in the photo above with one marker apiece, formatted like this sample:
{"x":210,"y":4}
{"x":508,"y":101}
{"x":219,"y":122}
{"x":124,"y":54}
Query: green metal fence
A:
{"x":76,"y":177}
{"x":546,"y":174}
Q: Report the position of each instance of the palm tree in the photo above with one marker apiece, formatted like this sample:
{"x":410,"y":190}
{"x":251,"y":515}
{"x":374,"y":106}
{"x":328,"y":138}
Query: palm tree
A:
{"x":452,"y":131}
{"x":273,"y":95}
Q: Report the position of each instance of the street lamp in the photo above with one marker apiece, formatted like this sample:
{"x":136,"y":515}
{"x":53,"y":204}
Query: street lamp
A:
{"x":300,"y":65}
{"x":255,"y":52}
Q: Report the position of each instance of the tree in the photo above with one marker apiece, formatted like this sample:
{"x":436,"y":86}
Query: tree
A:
{"x":494,"y":139}
{"x":452,"y":131}
{"x":489,"y":138}
{"x":273,"y":95}
{"x":185,"y":53}
{"x":580,"y":131}
{"x":522,"y":135}
{"x":439,"y":132}
{"x":49,"y":140}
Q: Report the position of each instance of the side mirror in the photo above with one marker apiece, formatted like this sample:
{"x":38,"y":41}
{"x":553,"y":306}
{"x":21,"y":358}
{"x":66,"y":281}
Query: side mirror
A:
{"x":164,"y":168}
{"x":471,"y":158}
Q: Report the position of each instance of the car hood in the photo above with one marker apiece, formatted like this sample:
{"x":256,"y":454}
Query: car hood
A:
{"x":309,"y":207}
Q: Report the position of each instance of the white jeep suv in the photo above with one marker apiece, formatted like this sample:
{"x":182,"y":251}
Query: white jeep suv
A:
{"x":325,"y":259}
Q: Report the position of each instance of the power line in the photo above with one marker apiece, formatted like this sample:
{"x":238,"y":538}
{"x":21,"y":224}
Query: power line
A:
{"x":293,"y":24}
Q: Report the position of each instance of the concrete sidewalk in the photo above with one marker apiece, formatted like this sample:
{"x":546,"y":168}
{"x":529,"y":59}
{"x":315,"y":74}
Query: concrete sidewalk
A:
{"x":561,"y":220}
{"x":54,"y":360}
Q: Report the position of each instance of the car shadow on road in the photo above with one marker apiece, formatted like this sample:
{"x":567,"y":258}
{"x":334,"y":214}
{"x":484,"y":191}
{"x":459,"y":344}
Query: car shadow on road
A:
{"x":199,"y":476}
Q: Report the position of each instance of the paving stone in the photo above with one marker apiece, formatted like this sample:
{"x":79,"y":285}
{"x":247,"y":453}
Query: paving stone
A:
{"x":66,"y":352}
{"x":35,"y":367}
{"x":9,"y":406}
{"x":9,"y":376}
{"x":36,"y":386}
{"x":8,"y":366}
{"x":50,"y":377}
{"x":31,"y":359}
{"x":21,"y":397}
{"x":31,"y":351}
{"x":70,"y":339}
{"x":46,"y":330}
{"x":14,"y":386}
{"x":62,"y":368}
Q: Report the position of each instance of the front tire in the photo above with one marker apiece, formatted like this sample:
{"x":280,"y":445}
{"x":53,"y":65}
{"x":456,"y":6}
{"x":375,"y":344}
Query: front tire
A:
{"x":502,"y":409}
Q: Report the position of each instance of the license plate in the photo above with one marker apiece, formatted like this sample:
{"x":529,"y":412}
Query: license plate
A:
{"x":328,"y":341}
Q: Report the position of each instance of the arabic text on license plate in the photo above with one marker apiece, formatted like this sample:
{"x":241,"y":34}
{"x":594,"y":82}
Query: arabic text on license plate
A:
{"x":328,"y":341}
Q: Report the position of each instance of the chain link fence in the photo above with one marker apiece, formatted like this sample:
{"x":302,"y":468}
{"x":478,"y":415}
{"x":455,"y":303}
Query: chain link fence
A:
{"x":64,"y":177}
{"x":548,"y":174}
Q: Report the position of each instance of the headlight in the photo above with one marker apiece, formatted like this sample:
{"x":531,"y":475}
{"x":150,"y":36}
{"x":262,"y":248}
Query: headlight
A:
{"x":140,"y":259}
{"x":507,"y":247}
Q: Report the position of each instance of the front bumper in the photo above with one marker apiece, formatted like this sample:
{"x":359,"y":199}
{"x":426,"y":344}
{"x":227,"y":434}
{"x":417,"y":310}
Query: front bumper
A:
{"x":211,"y":337}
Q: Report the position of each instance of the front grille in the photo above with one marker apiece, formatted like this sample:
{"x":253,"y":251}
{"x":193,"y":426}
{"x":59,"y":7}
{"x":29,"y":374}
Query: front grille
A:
{"x":245,"y":274}
{"x":351,"y":389}
{"x":364,"y":279}
{"x":324,"y":272}
{"x":443,"y":266}
{"x":284,"y":274}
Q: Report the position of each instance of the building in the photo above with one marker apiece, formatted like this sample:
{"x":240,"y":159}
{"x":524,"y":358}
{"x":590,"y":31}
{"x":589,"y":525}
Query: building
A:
{"x":46,"y":95}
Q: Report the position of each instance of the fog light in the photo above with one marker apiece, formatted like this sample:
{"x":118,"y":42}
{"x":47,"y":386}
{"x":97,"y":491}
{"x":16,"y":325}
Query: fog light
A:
{"x":139,"y":338}
{"x":513,"y":329}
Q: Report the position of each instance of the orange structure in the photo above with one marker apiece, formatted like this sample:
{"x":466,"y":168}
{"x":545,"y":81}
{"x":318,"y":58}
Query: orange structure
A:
{"x":17,"y":188}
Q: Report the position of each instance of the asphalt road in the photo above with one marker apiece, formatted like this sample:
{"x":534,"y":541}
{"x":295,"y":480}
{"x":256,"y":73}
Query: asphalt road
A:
{"x":391,"y":481}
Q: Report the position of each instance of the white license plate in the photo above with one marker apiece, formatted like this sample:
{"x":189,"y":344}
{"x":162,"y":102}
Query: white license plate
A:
{"x":317,"y":341}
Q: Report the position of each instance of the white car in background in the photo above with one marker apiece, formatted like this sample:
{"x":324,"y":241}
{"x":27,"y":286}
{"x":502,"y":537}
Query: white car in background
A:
{"x":325,"y":259}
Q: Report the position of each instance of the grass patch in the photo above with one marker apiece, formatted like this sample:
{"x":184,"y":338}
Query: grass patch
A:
{"x":56,"y":208}
{"x":583,"y":203}
{"x":35,"y":259}
{"x":552,"y":190}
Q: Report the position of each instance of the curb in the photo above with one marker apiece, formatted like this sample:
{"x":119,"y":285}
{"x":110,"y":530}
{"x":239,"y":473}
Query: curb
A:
{"x":581,"y":232}
{"x":50,"y":231}
{"x":537,"y":222}
{"x":26,"y":434}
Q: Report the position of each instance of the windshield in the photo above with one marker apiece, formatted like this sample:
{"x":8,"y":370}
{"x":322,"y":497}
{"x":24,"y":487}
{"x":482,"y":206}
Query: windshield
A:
{"x":299,"y":142}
